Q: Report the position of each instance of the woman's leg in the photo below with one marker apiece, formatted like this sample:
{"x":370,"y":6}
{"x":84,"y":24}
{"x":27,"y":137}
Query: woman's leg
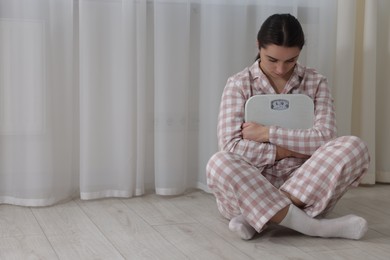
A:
{"x":333,"y":168}
{"x":320,"y":183}
{"x":243,"y":193}
{"x":322,"y":180}
{"x":350,"y":226}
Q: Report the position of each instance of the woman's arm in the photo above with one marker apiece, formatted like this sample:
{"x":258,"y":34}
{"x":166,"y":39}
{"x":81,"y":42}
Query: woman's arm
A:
{"x":230,"y":122}
{"x":260,"y":133}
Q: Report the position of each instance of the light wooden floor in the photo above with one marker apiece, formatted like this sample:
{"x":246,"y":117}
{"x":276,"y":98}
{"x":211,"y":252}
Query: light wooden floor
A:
{"x":184,"y":227}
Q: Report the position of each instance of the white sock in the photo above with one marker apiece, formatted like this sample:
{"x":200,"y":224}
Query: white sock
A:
{"x":350,"y":226}
{"x":241,"y":227}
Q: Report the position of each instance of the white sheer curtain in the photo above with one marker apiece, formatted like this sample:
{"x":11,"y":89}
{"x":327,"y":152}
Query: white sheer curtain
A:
{"x":38,"y":108}
{"x":382,"y":104}
{"x":361,"y":86}
{"x":114,"y":98}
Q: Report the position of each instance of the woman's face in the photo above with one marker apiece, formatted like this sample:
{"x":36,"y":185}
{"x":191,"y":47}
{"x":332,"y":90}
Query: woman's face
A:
{"x":278,"y":62}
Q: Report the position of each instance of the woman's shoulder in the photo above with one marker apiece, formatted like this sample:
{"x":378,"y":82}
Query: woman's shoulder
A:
{"x":240,"y":84}
{"x":311,"y":81}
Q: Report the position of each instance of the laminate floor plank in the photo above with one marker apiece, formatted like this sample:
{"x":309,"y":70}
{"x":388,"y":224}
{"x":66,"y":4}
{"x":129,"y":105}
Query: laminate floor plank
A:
{"x":129,"y":233}
{"x":26,"y":247}
{"x":158,"y":210}
{"x":21,"y":236}
{"x":18,"y":221}
{"x":180,"y":227}
{"x":198,"y":242}
{"x":72,"y":233}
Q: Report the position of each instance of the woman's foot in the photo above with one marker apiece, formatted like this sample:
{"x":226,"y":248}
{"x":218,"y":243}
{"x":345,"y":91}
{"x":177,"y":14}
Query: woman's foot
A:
{"x":241,"y":227}
{"x":350,"y":226}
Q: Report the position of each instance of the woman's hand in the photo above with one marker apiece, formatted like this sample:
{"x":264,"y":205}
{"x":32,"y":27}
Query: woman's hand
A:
{"x":282,"y":153}
{"x":260,"y":133}
{"x":255,"y":132}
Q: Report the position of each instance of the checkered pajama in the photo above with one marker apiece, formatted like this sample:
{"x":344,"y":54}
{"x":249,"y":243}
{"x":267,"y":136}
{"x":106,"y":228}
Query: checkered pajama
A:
{"x":244,"y":175}
{"x":319,"y":182}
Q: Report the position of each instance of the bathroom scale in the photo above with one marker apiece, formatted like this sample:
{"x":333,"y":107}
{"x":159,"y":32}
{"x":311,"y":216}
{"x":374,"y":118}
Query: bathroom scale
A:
{"x":293,"y":111}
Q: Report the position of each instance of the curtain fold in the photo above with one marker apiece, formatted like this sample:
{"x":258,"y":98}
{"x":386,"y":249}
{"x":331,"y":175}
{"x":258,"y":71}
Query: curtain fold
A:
{"x":356,"y":84}
{"x":382,"y":106}
{"x":171,"y":46}
{"x":108,"y":106}
{"x":36,"y":102}
{"x":115,"y":98}
{"x":364,"y":121}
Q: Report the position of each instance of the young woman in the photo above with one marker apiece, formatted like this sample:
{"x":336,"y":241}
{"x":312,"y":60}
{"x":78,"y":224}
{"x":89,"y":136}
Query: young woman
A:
{"x":269,"y":174}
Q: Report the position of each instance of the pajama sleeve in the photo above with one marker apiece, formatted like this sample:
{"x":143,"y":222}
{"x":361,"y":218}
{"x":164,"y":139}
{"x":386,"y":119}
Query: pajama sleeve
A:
{"x":324,"y":129}
{"x":230,"y":120}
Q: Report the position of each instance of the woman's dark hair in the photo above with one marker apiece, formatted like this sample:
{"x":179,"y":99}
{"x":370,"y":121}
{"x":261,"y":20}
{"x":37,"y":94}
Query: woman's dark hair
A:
{"x":282,"y":30}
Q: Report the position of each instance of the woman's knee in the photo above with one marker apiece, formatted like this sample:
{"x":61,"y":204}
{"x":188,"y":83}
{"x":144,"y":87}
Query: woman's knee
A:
{"x":217,"y":163}
{"x":355,"y":146}
{"x":349,"y":150}
{"x":223,"y":166}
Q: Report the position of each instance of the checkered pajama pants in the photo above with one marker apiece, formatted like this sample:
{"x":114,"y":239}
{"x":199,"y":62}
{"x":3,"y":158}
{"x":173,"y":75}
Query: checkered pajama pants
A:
{"x":319,"y":182}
